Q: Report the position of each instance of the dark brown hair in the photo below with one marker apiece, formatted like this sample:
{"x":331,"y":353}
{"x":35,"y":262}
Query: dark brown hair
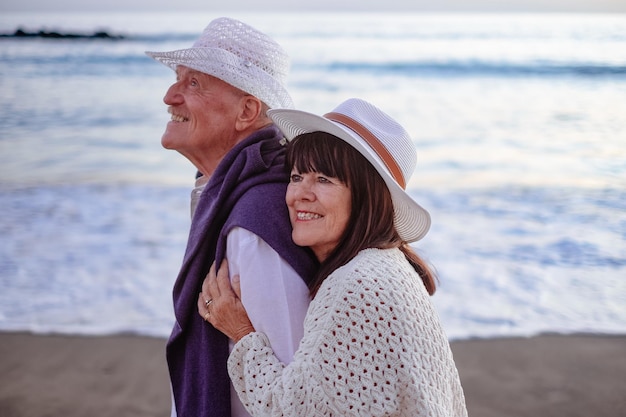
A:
{"x":371,"y":219}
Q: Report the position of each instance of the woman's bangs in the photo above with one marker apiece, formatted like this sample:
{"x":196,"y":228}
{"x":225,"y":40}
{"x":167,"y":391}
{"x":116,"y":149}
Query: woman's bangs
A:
{"x":320,"y":152}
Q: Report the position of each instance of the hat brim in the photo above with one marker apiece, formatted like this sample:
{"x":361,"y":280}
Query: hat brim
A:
{"x":411,"y":220}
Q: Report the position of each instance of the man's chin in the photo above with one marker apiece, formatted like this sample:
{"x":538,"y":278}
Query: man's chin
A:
{"x":168,"y":143}
{"x":173,"y":135}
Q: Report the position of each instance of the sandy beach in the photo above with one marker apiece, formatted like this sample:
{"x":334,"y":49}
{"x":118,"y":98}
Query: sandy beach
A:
{"x":546,"y":376}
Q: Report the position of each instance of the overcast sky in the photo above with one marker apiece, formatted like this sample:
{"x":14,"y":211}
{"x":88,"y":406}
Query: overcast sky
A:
{"x":296,"y":5}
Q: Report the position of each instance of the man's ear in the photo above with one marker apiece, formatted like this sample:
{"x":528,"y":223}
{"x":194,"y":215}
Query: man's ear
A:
{"x":250,"y":111}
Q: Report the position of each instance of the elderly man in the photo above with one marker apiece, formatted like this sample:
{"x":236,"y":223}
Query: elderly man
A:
{"x":224,"y":84}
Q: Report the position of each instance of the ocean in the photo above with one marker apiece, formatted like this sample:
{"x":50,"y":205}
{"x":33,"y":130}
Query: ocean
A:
{"x":519,"y":122}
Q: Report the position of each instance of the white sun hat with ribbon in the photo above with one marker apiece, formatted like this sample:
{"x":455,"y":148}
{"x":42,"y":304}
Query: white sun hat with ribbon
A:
{"x":378,"y":137}
{"x":240,"y":55}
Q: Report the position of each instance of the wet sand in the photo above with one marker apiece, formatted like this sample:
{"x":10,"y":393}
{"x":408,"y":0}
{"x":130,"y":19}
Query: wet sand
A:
{"x":74,"y":376}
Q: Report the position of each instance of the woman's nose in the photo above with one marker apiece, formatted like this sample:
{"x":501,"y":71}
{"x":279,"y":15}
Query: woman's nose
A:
{"x":304,"y":193}
{"x":301,"y":191}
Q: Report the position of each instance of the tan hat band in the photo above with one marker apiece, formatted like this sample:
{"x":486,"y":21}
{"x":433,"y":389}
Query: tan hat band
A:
{"x":373,"y":142}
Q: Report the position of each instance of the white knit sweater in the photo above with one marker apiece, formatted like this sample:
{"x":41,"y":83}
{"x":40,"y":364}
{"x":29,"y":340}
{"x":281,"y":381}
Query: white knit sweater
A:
{"x":373,"y":346}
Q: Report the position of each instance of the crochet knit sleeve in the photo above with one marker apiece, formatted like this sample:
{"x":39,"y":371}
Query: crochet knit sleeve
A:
{"x":372,"y":346}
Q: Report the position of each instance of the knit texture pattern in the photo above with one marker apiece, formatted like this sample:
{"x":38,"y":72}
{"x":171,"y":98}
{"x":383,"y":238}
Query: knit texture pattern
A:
{"x":373,"y":346}
{"x":239,"y":55}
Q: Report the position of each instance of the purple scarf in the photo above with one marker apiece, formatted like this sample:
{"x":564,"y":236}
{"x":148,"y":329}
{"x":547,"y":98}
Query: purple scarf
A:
{"x":246,"y":190}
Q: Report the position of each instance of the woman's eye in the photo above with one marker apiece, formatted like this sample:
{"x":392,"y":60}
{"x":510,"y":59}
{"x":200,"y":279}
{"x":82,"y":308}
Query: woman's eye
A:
{"x":295,"y":178}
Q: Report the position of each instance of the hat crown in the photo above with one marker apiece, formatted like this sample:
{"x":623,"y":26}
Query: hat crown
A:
{"x":251,"y":46}
{"x":389,"y":133}
{"x":239,"y":55}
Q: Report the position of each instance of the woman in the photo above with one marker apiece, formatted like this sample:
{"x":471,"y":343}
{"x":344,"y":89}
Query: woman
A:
{"x":373,"y":344}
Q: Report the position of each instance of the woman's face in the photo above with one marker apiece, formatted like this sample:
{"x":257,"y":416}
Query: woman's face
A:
{"x":319,"y":209}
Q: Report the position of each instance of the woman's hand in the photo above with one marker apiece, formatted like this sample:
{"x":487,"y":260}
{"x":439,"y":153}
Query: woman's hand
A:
{"x":219,"y":303}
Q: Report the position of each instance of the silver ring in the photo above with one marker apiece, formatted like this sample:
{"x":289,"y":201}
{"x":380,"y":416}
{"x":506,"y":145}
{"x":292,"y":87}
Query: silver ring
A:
{"x":207,"y":303}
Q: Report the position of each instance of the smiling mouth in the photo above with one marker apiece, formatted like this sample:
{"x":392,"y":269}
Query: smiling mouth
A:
{"x":177,"y":117}
{"x":303,"y":215}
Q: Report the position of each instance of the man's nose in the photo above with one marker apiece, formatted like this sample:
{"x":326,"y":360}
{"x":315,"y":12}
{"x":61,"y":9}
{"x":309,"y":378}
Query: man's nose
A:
{"x":173,"y":96}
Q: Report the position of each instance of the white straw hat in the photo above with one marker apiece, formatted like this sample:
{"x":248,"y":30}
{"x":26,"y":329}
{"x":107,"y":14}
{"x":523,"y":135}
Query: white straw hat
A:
{"x":385,"y":144}
{"x":239,"y":55}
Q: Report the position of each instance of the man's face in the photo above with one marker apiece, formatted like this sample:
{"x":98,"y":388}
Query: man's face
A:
{"x":204,"y":110}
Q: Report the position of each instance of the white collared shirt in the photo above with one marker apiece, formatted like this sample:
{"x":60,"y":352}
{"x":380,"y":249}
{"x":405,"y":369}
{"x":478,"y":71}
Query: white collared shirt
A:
{"x":274,"y":295}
